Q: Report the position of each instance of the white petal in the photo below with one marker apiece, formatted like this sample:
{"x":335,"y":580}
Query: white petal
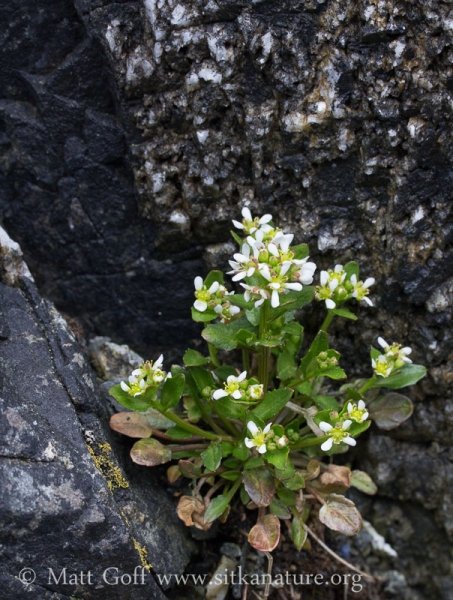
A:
{"x":234,"y":310}
{"x":324,"y":277}
{"x":218,"y":308}
{"x":266,"y":228}
{"x":219,"y":394}
{"x":158,"y":362}
{"x":237,"y":394}
{"x":200,"y":305}
{"x":330,"y":303}
{"x":285,"y":267}
{"x":249,"y":443}
{"x":259,"y":235}
{"x":353,"y":279}
{"x":294,"y":286}
{"x":346,"y":423}
{"x":406,"y":360}
{"x":247,"y":214}
{"x":258,"y":303}
{"x":349,"y":441}
{"x":262,"y":449}
{"x":323,"y":426}
{"x":242,"y":376}
{"x":365,"y":415}
{"x":406,"y":350}
{"x":382,"y":343}
{"x":265,"y":219}
{"x":124,"y":386}
{"x":275,"y":285}
{"x":198,"y":281}
{"x":306,"y":279}
{"x":267,"y":428}
{"x":240,"y":276}
{"x":250,"y":271}
{"x":238,"y":225}
{"x":264,"y":270}
{"x":349,"y":407}
{"x":275,"y":299}
{"x":333,"y":285}
{"x":338,"y":268}
{"x":214,"y":287}
{"x":368,"y":282}
{"x":361,"y":404}
{"x":252,"y":427}
{"x":327,"y":445}
{"x":368,"y":301}
{"x":240,"y":258}
{"x":273,"y":249}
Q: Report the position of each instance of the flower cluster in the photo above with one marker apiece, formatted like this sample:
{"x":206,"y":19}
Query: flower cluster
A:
{"x":336,"y":287}
{"x":259,"y":437}
{"x":337,"y":434}
{"x":149,"y":375}
{"x":267,"y":253}
{"x":241,"y":389}
{"x":394,"y":357}
{"x":215,"y":298}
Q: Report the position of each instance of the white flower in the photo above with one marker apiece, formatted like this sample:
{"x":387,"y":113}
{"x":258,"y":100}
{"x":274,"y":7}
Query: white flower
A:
{"x":358,"y":412}
{"x":395,"y":351}
{"x":202,"y":295}
{"x":382,"y":365}
{"x":136,"y":386}
{"x":336,"y":434}
{"x":361,"y":290}
{"x":243,"y":265}
{"x":232,"y":387}
{"x":258,"y":439}
{"x":250,"y":224}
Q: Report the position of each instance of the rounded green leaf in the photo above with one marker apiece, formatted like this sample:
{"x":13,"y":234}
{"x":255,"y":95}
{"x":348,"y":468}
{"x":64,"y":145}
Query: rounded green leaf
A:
{"x":150,"y":452}
{"x":172,"y":391}
{"x":390,"y":410}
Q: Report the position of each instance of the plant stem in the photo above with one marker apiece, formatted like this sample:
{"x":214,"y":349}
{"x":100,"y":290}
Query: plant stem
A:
{"x":213,"y":354}
{"x":311,"y":442}
{"x":246,"y":361}
{"x":368,"y":384}
{"x":231,"y":428}
{"x":234,"y":489}
{"x":189,"y":427}
{"x":177,"y":448}
{"x":263,"y":374}
{"x":327,"y":321}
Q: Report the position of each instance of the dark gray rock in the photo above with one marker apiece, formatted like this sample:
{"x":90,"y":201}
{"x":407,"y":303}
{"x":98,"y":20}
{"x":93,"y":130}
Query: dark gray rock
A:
{"x":335,"y":116}
{"x":72,"y":502}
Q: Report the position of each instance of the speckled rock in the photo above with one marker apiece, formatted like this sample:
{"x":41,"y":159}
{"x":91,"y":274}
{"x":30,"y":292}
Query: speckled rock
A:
{"x":112,"y":360}
{"x":335,"y":116}
{"x":72,"y":504}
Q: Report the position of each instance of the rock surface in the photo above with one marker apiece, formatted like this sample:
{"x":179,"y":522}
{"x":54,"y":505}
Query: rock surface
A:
{"x":73,"y":507}
{"x":132,"y":136}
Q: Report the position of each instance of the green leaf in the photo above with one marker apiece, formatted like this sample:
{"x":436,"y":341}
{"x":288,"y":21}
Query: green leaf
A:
{"x":216,"y":508}
{"x":157,"y":420}
{"x":326,"y":403}
{"x":139,"y":403}
{"x":272,"y":403}
{"x":352,"y":268}
{"x":293,"y":328}
{"x":231,"y":475}
{"x":192,"y":358}
{"x":205,"y":316}
{"x":286,"y":366}
{"x":172,"y":391}
{"x":212,"y":456}
{"x":277,"y":507}
{"x":301,"y":251}
{"x":221,"y":336}
{"x":293,"y":301}
{"x":225,"y":407}
{"x":344,"y":312}
{"x":253,"y":463}
{"x":202,"y":378}
{"x":390,"y":410}
{"x":150,"y":452}
{"x":246,"y":337}
{"x":238,"y":300}
{"x":278,"y":457}
{"x":288,"y":497}
{"x":178,"y":433}
{"x":259,"y":485}
{"x":241,"y":452}
{"x":297,"y":482}
{"x":363,"y":482}
{"x":212,"y":277}
{"x":237,"y":239}
{"x":225,"y":371}
{"x":408,"y":375}
{"x":253,"y":316}
{"x":298,"y":532}
{"x":374,"y":353}
{"x":332,"y":372}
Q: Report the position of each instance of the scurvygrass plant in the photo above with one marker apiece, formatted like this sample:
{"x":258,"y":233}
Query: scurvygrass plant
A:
{"x":261,"y":433}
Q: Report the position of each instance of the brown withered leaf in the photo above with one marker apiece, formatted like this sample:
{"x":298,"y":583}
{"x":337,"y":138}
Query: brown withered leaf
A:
{"x":259,"y":485}
{"x":313,"y":470}
{"x":173,"y":473}
{"x":191,"y":511}
{"x":133,"y":424}
{"x":340,"y":514}
{"x":336,"y":475}
{"x":265,"y":535}
{"x":150,"y":452}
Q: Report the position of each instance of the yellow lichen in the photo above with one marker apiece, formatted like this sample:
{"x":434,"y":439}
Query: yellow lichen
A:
{"x":111,"y":473}
{"x":142,"y":552}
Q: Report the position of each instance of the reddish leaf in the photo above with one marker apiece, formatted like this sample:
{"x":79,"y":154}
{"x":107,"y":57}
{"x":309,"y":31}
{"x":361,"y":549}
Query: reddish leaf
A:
{"x":150,"y":453}
{"x":265,"y":535}
{"x":134,"y":425}
{"x":259,"y":485}
{"x":340,"y":514}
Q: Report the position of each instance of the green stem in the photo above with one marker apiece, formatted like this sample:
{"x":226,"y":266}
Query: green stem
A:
{"x":263,"y":374}
{"x":246,"y":361}
{"x":327,"y":321}
{"x":189,"y":427}
{"x":296,"y":382}
{"x":231,"y":428}
{"x":185,"y":447}
{"x":213,"y":354}
{"x":311,"y":442}
{"x":234,"y":489}
{"x":369,"y":384}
